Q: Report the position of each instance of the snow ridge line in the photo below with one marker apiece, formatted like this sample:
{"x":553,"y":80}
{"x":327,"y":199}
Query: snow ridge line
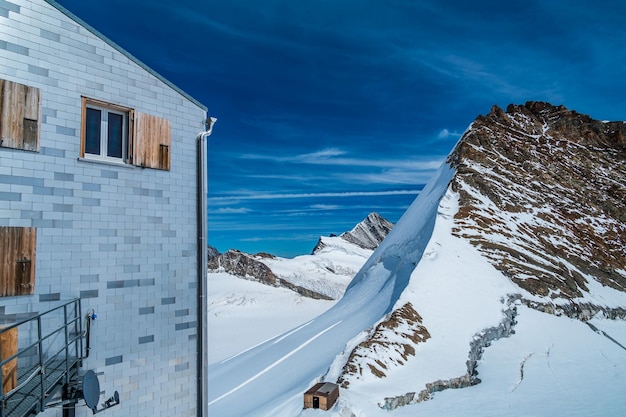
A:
{"x":279,"y":361}
{"x":605,"y":334}
{"x":477,"y":345}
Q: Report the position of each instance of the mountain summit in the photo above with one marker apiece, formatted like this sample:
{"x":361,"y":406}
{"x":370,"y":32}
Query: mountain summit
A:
{"x":539,"y":192}
{"x":324,"y":274}
{"x":507,"y":274}
{"x":367,"y":234}
{"x":542,"y":194}
{"x":370,"y":232}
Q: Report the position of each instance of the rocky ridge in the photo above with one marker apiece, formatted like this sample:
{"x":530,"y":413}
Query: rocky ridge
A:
{"x":250,"y":267}
{"x":542,"y":197}
{"x":367,"y":234}
{"x":393,"y":338}
{"x":370,"y":232}
{"x":476,"y":348}
{"x":266,"y":268}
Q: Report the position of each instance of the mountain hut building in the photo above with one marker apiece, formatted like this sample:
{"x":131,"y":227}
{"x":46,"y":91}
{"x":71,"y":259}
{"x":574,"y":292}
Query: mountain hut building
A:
{"x":102,"y":225}
{"x":322,"y":395}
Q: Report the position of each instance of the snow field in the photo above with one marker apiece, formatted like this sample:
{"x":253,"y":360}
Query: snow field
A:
{"x":269,"y":379}
{"x":328,"y":272}
{"x":243,"y":314}
{"x":550,"y":366}
{"x":458,"y":294}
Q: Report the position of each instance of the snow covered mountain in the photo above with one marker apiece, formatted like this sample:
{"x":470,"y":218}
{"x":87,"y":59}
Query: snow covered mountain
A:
{"x":501,"y":290}
{"x":324,"y":274}
{"x":370,"y":232}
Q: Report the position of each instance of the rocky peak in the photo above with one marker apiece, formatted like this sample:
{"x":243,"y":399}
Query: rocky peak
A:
{"x":243,"y":265}
{"x":542,"y":196}
{"x":212,"y":252}
{"x":370,"y":232}
{"x":367,"y":234}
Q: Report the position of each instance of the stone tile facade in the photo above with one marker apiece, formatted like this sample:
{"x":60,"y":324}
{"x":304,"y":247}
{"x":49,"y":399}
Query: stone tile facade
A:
{"x":122,"y":238}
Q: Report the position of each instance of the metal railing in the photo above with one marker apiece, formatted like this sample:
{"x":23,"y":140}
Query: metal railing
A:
{"x":50,"y":347}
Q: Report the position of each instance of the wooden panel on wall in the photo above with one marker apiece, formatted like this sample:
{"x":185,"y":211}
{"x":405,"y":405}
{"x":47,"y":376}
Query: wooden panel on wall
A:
{"x":20,"y":116}
{"x":8,"y":348}
{"x":152,"y":141}
{"x":17,"y":255}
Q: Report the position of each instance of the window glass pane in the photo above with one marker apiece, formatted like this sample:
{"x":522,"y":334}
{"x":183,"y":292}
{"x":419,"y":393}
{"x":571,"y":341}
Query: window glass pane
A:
{"x":92,"y":131}
{"x":115,"y":135}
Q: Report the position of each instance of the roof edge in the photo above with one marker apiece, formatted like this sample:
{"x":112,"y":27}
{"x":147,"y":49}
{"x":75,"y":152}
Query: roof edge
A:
{"x":123,"y":51}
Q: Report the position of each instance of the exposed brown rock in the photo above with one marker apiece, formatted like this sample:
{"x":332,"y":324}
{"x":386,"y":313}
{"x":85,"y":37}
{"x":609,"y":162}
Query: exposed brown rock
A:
{"x":476,"y":347}
{"x":542,"y":195}
{"x":244,"y":266}
{"x":404,"y":322}
{"x":561,"y":176}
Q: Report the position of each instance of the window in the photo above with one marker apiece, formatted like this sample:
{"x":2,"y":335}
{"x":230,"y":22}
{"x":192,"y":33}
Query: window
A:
{"x":106,"y":132}
{"x":120,"y":134}
{"x":20,"y":116}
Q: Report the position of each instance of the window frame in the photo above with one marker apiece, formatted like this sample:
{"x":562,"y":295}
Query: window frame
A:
{"x":127,"y":131}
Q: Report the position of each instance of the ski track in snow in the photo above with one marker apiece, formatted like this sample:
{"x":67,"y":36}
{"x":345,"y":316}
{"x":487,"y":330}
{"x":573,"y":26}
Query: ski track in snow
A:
{"x":297,"y":329}
{"x":278,"y":339}
{"x":554,"y":375}
{"x":276,"y":363}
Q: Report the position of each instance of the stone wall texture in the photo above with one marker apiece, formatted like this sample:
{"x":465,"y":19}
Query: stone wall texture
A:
{"x":120,"y":237}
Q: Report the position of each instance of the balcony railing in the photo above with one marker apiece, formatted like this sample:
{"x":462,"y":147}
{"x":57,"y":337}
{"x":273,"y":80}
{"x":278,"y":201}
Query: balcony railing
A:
{"x":49,"y":353}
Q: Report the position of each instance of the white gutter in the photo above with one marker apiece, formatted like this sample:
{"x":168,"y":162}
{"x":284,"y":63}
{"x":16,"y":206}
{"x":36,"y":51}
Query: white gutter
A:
{"x":202,"y":347}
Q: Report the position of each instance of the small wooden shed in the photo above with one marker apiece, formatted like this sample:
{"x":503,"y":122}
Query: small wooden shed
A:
{"x":322,"y":395}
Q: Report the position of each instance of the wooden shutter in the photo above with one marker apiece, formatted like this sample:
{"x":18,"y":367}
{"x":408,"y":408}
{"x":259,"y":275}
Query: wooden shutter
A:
{"x":17,"y":257}
{"x":20,"y":116}
{"x":8,"y":348}
{"x":151,"y":142}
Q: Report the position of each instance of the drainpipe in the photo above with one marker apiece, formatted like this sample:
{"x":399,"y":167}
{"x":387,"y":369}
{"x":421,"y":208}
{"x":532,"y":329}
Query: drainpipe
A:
{"x":202,"y":347}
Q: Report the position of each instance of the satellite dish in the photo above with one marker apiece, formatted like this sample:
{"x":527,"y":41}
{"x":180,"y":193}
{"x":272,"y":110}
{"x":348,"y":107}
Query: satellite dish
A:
{"x":91,"y":390}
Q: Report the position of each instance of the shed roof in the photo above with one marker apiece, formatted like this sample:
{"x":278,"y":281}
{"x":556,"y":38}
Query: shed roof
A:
{"x":322,"y":388}
{"x":130,"y":56}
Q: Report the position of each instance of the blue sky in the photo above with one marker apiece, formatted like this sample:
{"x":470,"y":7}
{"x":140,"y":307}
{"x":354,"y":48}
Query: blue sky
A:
{"x":331,"y":109}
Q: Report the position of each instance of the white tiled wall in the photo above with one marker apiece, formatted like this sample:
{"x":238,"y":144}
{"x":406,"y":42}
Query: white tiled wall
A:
{"x":121,"y":237}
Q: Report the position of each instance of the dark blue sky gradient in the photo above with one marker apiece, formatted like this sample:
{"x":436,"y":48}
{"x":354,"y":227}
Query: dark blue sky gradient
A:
{"x":322,"y":102}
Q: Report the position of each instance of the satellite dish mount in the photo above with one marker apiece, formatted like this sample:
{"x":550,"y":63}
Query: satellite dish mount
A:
{"x":86,"y":388}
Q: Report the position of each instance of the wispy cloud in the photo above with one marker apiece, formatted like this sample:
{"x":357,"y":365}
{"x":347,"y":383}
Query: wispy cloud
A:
{"x":231,"y":210}
{"x":272,"y":196}
{"x":324,"y":207}
{"x":391,"y":177}
{"x":294,"y":237}
{"x":332,"y":156}
{"x":320,"y":156}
